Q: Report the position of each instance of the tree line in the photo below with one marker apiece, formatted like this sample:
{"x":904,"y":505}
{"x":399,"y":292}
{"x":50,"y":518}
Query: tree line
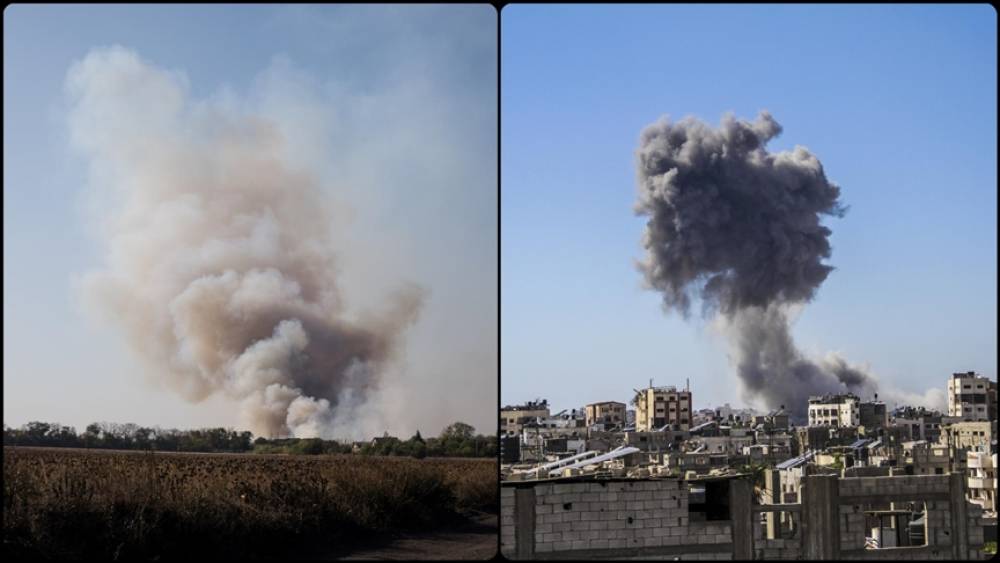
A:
{"x":456,"y":440}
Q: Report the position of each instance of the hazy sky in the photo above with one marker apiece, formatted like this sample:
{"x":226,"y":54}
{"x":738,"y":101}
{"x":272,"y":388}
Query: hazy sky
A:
{"x":392,"y":107}
{"x":897,"y":102}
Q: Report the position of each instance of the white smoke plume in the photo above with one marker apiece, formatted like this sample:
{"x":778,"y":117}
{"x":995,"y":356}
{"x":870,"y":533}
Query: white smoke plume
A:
{"x":219,"y":264}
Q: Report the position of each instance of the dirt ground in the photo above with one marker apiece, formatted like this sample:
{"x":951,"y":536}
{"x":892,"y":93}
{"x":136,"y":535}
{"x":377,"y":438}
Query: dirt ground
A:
{"x":476,"y":539}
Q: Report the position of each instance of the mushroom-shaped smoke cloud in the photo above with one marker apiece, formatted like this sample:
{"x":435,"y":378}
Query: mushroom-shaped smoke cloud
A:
{"x":739,"y":228}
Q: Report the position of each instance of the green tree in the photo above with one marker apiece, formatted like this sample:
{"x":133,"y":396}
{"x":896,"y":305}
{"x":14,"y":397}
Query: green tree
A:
{"x":459,"y":430}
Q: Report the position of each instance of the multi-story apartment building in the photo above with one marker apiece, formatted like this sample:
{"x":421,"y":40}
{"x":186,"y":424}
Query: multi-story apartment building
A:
{"x":657,"y":407}
{"x":982,"y":469}
{"x":834,"y":410}
{"x":513,"y":418}
{"x":609,"y":414}
{"x":972,"y":397}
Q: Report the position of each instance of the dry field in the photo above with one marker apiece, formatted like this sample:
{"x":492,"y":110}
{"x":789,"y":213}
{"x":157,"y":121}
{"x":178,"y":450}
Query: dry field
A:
{"x":77,"y":504}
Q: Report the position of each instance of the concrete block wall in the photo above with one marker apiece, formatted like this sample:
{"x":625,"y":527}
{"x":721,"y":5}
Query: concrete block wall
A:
{"x":507,"y":521}
{"x":787,"y":549}
{"x":685,"y":557}
{"x":778,"y":548}
{"x":644,"y":516}
{"x":952,"y":524}
{"x":976,"y":530}
{"x":901,"y":554}
{"x":916,"y":485}
{"x":852,"y":527}
{"x":648,"y":520}
{"x":603,"y":515}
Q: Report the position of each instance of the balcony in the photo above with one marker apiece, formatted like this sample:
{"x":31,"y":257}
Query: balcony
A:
{"x":982,"y":483}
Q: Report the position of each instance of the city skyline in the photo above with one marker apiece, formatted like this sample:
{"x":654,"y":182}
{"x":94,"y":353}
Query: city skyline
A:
{"x":912,"y":294}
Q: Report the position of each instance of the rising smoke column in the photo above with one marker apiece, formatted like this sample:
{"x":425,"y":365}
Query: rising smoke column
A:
{"x":219,"y":265}
{"x":738,"y":228}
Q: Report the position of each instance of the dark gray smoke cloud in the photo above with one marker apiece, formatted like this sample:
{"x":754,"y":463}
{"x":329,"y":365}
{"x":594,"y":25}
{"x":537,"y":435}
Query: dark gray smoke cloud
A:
{"x":738,"y":228}
{"x":773,"y":370}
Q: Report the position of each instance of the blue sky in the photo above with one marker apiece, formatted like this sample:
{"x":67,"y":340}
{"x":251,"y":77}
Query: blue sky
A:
{"x":899,"y":104}
{"x":410,"y":97}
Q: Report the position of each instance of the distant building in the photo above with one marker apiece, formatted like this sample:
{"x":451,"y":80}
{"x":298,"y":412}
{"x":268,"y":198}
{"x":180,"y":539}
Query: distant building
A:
{"x":834,"y":410}
{"x":513,"y":418}
{"x":610,"y":414}
{"x":662,"y":407}
{"x":974,"y":436}
{"x":726,"y":413}
{"x":921,"y":423}
{"x":728,"y":444}
{"x":510,"y":449}
{"x":384,"y":439}
{"x":820,"y":437}
{"x":774,"y":420}
{"x":972,"y":397}
{"x":873,"y":416}
{"x":929,"y":459}
{"x":668,"y":440}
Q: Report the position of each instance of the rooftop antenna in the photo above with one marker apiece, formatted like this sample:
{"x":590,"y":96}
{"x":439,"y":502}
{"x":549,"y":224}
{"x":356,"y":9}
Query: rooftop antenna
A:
{"x":687,"y":384}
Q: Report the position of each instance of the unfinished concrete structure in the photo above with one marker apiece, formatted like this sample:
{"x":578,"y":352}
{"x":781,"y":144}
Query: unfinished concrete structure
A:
{"x":668,"y":518}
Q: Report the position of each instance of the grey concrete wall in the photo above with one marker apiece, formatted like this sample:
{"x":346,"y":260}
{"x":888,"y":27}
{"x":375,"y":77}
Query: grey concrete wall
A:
{"x":621,"y":519}
{"x":648,"y":519}
{"x":953,"y":526}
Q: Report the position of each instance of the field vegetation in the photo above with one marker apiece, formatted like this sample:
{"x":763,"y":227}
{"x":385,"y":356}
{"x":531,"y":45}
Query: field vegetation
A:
{"x":62,"y":503}
{"x":456,"y":440}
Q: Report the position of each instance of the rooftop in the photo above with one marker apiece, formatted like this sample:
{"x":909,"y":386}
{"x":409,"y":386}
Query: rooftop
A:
{"x":832,"y":398}
{"x":528,"y":406}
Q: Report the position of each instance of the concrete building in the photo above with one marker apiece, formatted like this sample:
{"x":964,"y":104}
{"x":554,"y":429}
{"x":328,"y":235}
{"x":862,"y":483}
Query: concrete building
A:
{"x":668,"y":440}
{"x":982,"y":470}
{"x":730,"y":415}
{"x":609,"y":414}
{"x":514,"y":417}
{"x":727,"y":444}
{"x":510,"y":449}
{"x":927,"y":459}
{"x":835,"y":410}
{"x":659,"y":407}
{"x":873,"y":416}
{"x":923,"y":424}
{"x":974,"y":436}
{"x":972,"y":397}
{"x":820,"y":437}
{"x":698,"y":462}
{"x":774,"y":420}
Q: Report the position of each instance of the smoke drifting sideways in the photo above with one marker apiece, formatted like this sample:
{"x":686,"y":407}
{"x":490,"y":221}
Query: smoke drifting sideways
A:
{"x":738,"y":228}
{"x":219,"y":265}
